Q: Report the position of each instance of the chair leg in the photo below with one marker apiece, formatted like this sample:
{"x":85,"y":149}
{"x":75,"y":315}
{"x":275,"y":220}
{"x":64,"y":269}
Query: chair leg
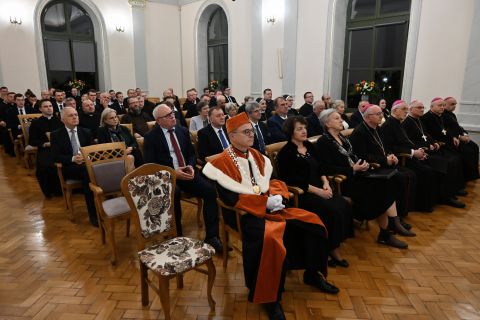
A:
{"x":199,"y":212}
{"x":101,"y":224}
{"x":164,"y":284}
{"x":128,"y":227}
{"x":212,"y":272}
{"x":180,"y":281}
{"x":68,"y":198}
{"x":225,"y":249}
{"x":144,"y":283}
{"x":111,"y":237}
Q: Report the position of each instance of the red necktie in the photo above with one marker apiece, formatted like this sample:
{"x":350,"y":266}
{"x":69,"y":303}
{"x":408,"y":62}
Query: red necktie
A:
{"x":176,"y":149}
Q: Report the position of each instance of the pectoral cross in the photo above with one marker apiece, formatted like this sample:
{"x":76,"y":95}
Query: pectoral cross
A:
{"x":444,"y":132}
{"x":424,"y":137}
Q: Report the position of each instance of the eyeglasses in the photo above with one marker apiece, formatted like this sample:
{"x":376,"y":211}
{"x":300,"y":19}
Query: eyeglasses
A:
{"x":247,"y":132}
{"x":168,"y":115}
{"x":377,"y":114}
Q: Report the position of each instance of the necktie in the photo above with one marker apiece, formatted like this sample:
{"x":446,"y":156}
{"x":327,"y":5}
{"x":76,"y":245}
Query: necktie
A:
{"x":73,"y":141}
{"x":222,"y":139}
{"x":21,"y":111}
{"x":229,"y":99}
{"x":60,"y":106}
{"x":261,"y":142}
{"x":176,"y":149}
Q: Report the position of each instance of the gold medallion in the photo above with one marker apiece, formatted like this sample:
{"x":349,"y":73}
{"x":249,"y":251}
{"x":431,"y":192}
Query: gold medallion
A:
{"x":256,"y":189}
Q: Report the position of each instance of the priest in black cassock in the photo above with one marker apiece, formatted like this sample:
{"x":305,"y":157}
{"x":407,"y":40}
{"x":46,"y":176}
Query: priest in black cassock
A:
{"x":45,"y":170}
{"x":428,"y":179}
{"x":441,"y":158}
{"x":439,"y":127}
{"x":465,"y":145}
{"x":369,"y":146}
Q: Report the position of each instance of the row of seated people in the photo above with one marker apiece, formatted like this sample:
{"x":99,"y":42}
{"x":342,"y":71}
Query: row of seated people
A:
{"x":169,"y":144}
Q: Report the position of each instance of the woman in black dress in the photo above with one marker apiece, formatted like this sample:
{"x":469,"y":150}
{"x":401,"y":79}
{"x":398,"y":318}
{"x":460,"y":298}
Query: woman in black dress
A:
{"x":298,"y":167}
{"x":373,"y":198}
{"x":112,"y":131}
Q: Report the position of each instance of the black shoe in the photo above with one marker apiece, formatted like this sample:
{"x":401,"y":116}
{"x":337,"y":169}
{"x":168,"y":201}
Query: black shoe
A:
{"x":396,"y":226}
{"x":334,"y":262}
{"x":317,"y":281}
{"x":216,"y":243}
{"x":274,"y":311}
{"x":454,"y":203}
{"x":406,"y":225}
{"x":462,"y":193}
{"x":387,"y":238}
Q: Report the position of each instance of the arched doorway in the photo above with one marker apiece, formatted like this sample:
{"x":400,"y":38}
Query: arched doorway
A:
{"x":69,"y":44}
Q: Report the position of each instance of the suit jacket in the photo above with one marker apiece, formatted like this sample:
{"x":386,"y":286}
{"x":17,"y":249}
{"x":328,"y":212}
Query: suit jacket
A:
{"x":232,"y":98}
{"x":293,"y":112}
{"x":12,"y":118}
{"x":356,"y":119}
{"x":314,"y":127}
{"x":56,"y":108}
{"x":39,"y":128}
{"x":61,"y":147}
{"x":191,"y":108}
{"x":275,"y":125}
{"x":209,"y":142}
{"x":265,"y":133}
{"x":306,"y":110}
{"x":148,"y":107}
{"x":120,"y":109}
{"x":156,"y":150}
{"x":90,"y":121}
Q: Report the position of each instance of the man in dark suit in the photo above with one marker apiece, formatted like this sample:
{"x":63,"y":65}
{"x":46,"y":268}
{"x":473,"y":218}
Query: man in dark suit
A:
{"x":147,"y":106}
{"x":7,"y":103}
{"x":267,"y":96}
{"x":118,"y":105}
{"x":59,"y":102}
{"x":228,"y":97}
{"x":307,"y":107}
{"x":275,"y":123}
{"x":65,"y":145}
{"x":169,"y":144}
{"x":213,"y":138}
{"x":314,"y":127}
{"x":262,"y":136}
{"x":45,"y":170}
{"x":88,"y":118}
{"x":357,"y":117}
{"x":13,"y":112}
{"x":191,"y":104}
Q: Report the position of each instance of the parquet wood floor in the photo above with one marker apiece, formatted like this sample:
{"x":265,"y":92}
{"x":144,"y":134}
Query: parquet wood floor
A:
{"x":51,"y":268}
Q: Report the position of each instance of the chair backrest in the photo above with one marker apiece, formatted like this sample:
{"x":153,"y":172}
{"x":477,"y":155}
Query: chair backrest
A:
{"x":140,"y":144}
{"x":120,"y":116}
{"x":347,"y":133}
{"x":188,"y":120}
{"x":154,"y":99}
{"x":313,"y":139}
{"x":272,"y":151}
{"x":182,"y":101}
{"x":106,"y":165}
{"x":25,"y":121}
{"x":149,"y":191}
{"x":129,"y":126}
{"x":151,"y":124}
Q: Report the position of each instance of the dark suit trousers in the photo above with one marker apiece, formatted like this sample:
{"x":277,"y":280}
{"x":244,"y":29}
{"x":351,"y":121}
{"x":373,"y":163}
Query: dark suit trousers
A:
{"x":202,"y":188}
{"x":79,"y":172}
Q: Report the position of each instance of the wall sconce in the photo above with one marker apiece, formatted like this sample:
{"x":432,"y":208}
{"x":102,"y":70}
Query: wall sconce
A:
{"x":14,"y":20}
{"x":271,"y":19}
{"x":120,"y":29}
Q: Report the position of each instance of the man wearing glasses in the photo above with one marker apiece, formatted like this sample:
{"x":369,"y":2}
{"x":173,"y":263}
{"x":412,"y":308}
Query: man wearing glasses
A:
{"x":271,"y":234}
{"x":170,"y":145}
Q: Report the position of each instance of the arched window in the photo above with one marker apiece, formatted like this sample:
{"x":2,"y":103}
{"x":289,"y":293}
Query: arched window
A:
{"x":376,"y":41}
{"x":69,"y":43}
{"x":217,"y":46}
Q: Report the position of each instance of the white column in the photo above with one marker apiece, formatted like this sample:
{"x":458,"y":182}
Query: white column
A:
{"x":140,"y":56}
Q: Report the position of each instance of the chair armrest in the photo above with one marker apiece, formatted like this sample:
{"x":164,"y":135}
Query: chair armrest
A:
{"x":97,"y":191}
{"x":223,"y":205}
{"x":294,"y":193}
{"x":374,"y":165}
{"x":58,"y":165}
{"x":403,"y":158}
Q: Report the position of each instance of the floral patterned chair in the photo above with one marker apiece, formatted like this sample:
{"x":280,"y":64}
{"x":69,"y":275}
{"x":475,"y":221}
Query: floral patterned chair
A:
{"x":149,"y":191}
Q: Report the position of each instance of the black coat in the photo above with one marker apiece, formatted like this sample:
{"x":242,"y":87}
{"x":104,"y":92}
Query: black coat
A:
{"x":39,"y":128}
{"x":314,"y":128}
{"x":191,"y":108}
{"x":12,"y":118}
{"x":275,"y":127}
{"x":306,"y":110}
{"x":90,"y":121}
{"x":451,"y":122}
{"x":434,"y":125}
{"x":208,"y":142}
{"x":266,"y":136}
{"x":61,"y":146}
{"x":103,"y":136}
{"x":366,"y":147}
{"x":356,"y":119}
{"x":156,"y":150}
{"x":395,"y":137}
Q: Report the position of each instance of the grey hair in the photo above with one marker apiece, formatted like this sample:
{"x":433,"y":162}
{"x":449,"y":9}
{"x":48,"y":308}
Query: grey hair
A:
{"x":325,"y":115}
{"x":336,"y":103}
{"x":104,"y":114}
{"x":249,"y":107}
{"x":367,"y":112}
{"x":229,"y":106}
{"x":317,"y":102}
{"x":157,"y":108}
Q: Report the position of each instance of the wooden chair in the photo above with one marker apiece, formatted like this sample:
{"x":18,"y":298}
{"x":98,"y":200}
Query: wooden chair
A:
{"x":313,"y":139}
{"x":151,"y":124}
{"x":184,"y":113}
{"x":68,"y":185}
{"x":226,"y":229}
{"x":140,"y":144}
{"x":149,"y":191}
{"x":188,"y":120}
{"x":129,"y":126}
{"x":154,"y":100}
{"x":347,"y":132}
{"x":120,"y":116}
{"x":182,"y":102}
{"x":29,"y":152}
{"x":16,"y":145}
{"x":106,"y":165}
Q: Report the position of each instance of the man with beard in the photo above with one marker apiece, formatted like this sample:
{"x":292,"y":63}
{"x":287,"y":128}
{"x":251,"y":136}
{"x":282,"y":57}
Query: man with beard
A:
{"x":45,"y":170}
{"x":137,"y":118}
{"x":443,"y":160}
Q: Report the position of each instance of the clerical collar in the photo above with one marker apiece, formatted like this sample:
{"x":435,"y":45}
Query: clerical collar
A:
{"x":284,"y":117}
{"x":49,"y":117}
{"x":240,"y":153}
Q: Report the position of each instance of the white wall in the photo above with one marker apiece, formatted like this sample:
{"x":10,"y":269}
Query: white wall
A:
{"x":163,"y":48}
{"x":442,"y":49}
{"x":312,"y":33}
